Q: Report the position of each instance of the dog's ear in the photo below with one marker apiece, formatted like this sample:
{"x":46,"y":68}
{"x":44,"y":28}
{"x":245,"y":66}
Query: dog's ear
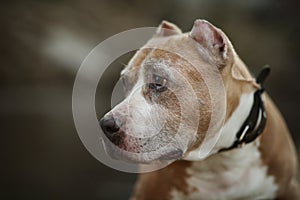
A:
{"x":220,"y":49}
{"x":240,"y":72}
{"x":213,"y":40}
{"x":166,"y":29}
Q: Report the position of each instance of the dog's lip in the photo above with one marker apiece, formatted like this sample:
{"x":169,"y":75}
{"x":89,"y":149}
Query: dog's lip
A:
{"x":175,"y":154}
{"x":119,"y":154}
{"x":115,"y":151}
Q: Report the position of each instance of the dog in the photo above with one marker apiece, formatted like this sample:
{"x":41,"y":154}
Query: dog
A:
{"x":254,"y":156}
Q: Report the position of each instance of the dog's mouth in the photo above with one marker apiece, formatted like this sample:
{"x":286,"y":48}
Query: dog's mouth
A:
{"x":117,"y":149}
{"x":172,"y":155}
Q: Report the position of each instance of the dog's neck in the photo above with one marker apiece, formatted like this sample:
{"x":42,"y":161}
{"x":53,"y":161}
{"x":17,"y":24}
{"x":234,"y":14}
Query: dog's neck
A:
{"x":230,"y":128}
{"x":230,"y":167}
{"x":234,"y":123}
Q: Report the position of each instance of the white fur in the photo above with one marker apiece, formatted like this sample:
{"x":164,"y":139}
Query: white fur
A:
{"x":238,"y":175}
{"x":141,"y":118}
{"x":235,"y":174}
{"x":144,"y":119}
{"x":234,"y":123}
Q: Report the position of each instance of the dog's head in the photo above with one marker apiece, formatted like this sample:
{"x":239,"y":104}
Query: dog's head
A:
{"x":168,"y":107}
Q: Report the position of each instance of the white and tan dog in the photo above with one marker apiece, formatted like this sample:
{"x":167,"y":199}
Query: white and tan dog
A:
{"x":156,"y":80}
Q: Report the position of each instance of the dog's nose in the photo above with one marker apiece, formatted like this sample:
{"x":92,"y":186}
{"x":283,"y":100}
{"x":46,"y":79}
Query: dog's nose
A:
{"x":109,"y":126}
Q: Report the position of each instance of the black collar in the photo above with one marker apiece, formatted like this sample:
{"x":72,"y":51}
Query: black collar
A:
{"x":255,"y":123}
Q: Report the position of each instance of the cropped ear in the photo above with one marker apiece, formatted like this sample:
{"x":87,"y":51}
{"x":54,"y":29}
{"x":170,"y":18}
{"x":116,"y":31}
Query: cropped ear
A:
{"x":240,"y":72}
{"x":213,"y":40}
{"x":166,"y":29}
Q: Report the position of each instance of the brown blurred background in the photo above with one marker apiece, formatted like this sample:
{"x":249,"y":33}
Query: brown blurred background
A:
{"x":43,"y":44}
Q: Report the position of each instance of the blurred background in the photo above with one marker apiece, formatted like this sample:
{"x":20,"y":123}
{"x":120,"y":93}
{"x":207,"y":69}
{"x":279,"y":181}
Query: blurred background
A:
{"x":42,"y":46}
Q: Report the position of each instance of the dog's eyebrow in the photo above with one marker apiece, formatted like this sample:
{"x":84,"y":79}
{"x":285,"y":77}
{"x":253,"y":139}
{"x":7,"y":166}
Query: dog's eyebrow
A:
{"x":158,"y":66}
{"x":163,"y":69}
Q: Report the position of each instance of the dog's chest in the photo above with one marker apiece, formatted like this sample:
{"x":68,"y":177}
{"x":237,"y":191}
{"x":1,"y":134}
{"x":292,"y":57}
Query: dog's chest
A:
{"x":234,"y":175}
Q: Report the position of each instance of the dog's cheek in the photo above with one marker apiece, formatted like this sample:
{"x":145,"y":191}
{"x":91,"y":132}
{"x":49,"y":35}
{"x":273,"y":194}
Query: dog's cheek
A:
{"x":130,"y":144}
{"x":176,"y":117}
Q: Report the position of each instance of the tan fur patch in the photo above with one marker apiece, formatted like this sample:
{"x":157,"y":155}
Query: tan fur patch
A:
{"x":158,"y":184}
{"x":278,"y":153}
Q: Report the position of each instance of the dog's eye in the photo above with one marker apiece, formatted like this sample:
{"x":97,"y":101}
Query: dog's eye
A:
{"x":158,"y":83}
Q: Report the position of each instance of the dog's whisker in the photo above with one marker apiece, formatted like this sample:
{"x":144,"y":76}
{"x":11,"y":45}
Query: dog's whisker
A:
{"x":124,"y":65}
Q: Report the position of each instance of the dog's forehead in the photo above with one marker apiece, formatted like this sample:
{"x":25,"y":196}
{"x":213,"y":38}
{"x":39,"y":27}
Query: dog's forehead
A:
{"x":175,"y":50}
{"x":170,"y":47}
